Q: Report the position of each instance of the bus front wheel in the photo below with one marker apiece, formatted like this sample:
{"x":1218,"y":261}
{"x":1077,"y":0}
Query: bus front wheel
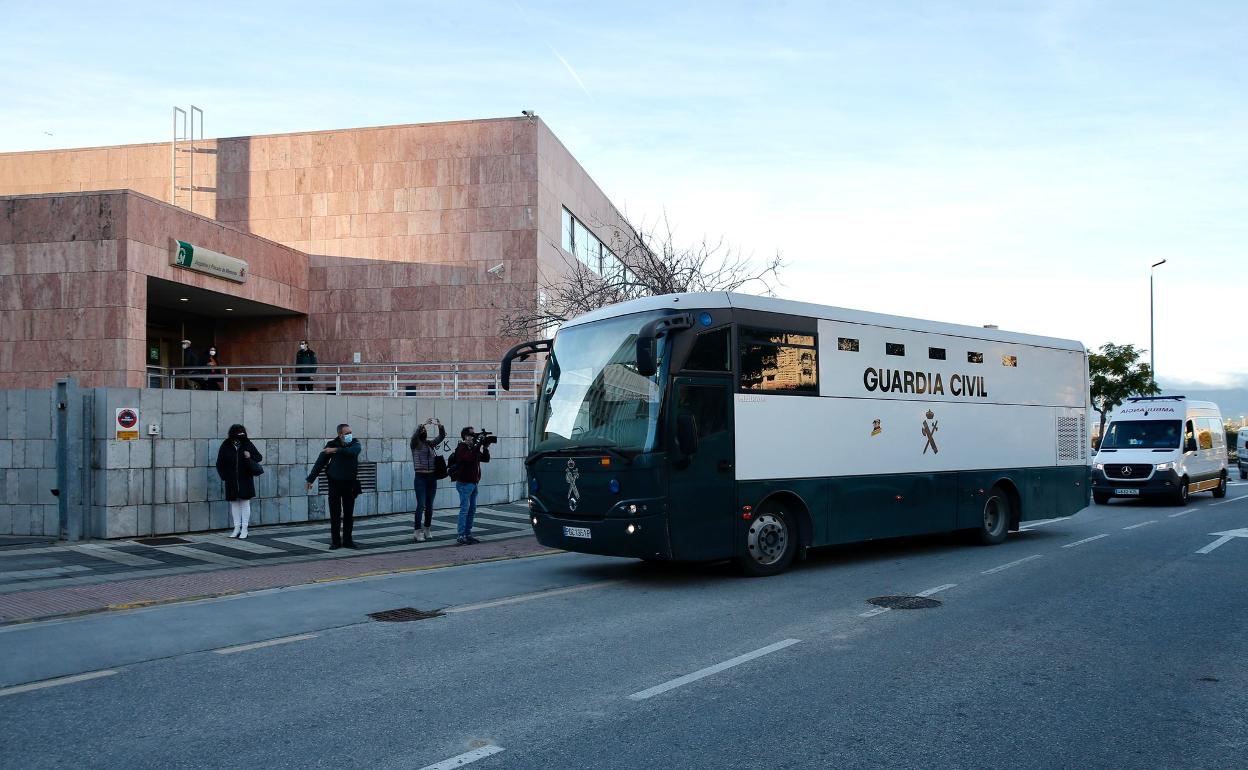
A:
{"x":996,"y":519}
{"x":770,"y":543}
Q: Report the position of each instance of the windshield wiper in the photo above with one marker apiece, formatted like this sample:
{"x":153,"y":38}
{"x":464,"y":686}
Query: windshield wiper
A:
{"x":535,"y":456}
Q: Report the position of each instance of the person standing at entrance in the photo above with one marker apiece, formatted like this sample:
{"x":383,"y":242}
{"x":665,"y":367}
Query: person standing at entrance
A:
{"x":424,"y":446}
{"x":467,"y":460}
{"x":340,"y":461}
{"x":237,"y":463}
{"x":190,"y":363}
{"x":305,"y":365}
{"x":214,"y":379}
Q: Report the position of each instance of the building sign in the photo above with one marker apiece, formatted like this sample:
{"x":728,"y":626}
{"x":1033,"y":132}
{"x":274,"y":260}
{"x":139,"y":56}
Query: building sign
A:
{"x":127,"y":423}
{"x":192,"y":257}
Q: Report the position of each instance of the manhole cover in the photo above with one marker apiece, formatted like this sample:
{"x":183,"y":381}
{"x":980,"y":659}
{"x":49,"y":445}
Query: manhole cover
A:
{"x":404,"y":614}
{"x":161,"y":541}
{"x":904,"y":602}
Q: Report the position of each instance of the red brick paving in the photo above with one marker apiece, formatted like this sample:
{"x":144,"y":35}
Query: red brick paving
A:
{"x":71,"y":600}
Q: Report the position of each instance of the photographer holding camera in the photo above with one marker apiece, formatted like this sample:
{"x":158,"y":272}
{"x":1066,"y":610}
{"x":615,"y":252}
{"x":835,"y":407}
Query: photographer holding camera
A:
{"x":465,"y":470}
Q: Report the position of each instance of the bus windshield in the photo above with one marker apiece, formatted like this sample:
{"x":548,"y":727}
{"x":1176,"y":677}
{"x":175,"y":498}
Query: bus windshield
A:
{"x":592,"y":395}
{"x":1143,"y":434}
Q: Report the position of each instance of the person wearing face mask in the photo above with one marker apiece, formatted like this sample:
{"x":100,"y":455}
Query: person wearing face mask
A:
{"x":238,"y":461}
{"x":305,"y":365}
{"x":340,"y":461}
{"x":214,"y":379}
{"x":190,"y":362}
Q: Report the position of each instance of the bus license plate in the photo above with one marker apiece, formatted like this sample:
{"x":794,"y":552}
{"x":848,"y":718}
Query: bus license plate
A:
{"x":582,"y":532}
{"x":1126,"y":491}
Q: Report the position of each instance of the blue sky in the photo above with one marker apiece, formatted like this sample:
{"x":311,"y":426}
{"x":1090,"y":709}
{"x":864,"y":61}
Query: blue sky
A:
{"x":978,"y":162}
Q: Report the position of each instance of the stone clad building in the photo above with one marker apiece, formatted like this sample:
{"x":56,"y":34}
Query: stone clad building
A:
{"x":397,"y":244}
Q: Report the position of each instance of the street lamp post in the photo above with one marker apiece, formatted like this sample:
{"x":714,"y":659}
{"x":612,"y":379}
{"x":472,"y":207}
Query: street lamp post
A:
{"x":1152,"y":365}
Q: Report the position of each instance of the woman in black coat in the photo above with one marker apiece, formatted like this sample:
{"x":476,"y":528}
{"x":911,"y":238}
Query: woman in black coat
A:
{"x":234,"y":466}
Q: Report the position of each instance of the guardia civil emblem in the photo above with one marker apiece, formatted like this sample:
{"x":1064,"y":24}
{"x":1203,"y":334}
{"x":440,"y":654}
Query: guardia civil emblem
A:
{"x":571,"y":476}
{"x":929,"y":432}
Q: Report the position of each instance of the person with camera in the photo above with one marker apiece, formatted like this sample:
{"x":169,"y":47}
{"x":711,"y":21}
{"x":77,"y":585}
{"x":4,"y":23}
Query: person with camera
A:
{"x":340,"y":461}
{"x":465,"y":468}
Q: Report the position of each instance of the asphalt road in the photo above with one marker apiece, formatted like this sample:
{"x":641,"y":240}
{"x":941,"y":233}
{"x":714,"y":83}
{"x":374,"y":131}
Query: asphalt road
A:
{"x":1103,"y":640}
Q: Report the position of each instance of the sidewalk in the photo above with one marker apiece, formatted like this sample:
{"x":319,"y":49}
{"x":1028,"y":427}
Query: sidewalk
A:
{"x":61,"y":579}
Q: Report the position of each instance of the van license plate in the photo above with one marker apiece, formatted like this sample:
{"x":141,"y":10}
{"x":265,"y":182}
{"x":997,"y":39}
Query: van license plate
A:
{"x":582,"y":532}
{"x":1116,"y":492}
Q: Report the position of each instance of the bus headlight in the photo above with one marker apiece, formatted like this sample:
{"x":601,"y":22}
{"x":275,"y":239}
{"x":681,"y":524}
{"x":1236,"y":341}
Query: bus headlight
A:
{"x":534,"y":520}
{"x":633,"y":529}
{"x":632,"y":508}
{"x":1164,"y":466}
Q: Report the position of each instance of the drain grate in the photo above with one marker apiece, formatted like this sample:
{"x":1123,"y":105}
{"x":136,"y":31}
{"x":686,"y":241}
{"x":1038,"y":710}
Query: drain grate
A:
{"x":404,"y":614}
{"x":161,"y":541}
{"x":904,"y":602}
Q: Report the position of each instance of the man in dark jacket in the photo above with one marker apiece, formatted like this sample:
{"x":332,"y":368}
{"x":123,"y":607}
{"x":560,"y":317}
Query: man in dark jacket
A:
{"x":467,"y":460}
{"x":305,"y":365}
{"x":340,"y":461}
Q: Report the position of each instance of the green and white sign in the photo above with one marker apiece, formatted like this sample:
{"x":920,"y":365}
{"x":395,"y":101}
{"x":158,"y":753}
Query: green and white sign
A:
{"x":192,"y":257}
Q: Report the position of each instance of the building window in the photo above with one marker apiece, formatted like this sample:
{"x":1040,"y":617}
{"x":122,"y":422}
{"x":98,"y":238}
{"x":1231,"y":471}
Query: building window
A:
{"x":710,"y":352}
{"x":1009,"y":360}
{"x":936,"y":354}
{"x":580,"y":242}
{"x":894,"y":348}
{"x":568,"y":244}
{"x":848,"y":344}
{"x":974,"y":358}
{"x":778,"y":362}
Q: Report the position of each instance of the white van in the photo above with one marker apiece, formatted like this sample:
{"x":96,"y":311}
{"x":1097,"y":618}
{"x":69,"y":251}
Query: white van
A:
{"x":1161,"y":446}
{"x":1241,"y":448}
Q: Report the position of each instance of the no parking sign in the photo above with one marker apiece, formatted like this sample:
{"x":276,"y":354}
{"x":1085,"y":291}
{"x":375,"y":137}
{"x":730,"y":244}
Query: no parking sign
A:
{"x":127,"y":423}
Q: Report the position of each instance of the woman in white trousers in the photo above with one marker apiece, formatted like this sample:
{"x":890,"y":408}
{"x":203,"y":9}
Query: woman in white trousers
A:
{"x":237,"y":463}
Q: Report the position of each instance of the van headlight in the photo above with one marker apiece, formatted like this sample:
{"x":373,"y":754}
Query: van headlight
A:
{"x":1164,"y":466}
{"x":1099,"y":466}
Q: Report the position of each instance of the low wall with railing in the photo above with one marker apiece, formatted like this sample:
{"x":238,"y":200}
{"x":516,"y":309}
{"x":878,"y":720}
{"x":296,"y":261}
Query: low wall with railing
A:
{"x":164,"y":481}
{"x":459,"y":380}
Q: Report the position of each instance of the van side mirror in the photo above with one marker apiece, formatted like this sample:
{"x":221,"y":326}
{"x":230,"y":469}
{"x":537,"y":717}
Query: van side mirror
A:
{"x":686,"y":434}
{"x":1190,"y":444}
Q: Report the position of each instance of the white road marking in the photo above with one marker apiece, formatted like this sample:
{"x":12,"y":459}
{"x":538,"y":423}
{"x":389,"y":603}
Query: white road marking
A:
{"x":709,"y":670}
{"x":1041,"y":523}
{"x":467,"y":758}
{"x":1233,"y":500}
{"x":1011,"y":564}
{"x":1183,"y":512}
{"x":266,"y":643}
{"x":56,"y":682}
{"x":1141,"y":524}
{"x":1085,"y":540}
{"x":530,"y":597}
{"x":928,"y":592}
{"x":1224,"y":538}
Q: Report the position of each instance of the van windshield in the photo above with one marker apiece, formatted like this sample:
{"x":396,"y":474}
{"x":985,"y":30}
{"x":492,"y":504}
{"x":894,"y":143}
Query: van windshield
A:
{"x":1143,"y":434}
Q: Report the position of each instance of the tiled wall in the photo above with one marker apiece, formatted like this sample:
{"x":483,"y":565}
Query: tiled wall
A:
{"x":27,"y":464}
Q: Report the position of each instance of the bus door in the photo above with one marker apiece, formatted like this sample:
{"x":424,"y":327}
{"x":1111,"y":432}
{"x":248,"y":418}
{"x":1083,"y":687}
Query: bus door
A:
{"x":702,"y":492}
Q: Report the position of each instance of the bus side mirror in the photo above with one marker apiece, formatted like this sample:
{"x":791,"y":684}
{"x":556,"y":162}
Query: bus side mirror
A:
{"x":686,"y":434}
{"x":647,"y":340}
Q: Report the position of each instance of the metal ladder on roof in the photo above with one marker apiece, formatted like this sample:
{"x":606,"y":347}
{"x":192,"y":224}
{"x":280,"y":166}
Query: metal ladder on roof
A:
{"x":182,"y":156}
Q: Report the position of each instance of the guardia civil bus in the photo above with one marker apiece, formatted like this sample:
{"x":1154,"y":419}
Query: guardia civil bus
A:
{"x":699,"y":427}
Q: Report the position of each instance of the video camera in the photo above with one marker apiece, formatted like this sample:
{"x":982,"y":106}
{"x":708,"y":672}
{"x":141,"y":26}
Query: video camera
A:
{"x":483,"y":438}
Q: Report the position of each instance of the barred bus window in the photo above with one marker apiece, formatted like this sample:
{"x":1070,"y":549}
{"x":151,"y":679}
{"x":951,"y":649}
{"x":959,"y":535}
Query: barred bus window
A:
{"x":974,"y":358}
{"x":848,"y":344}
{"x":778,"y":362}
{"x":1009,"y":360}
{"x":936,"y":354}
{"x":710,"y":352}
{"x":894,"y":348}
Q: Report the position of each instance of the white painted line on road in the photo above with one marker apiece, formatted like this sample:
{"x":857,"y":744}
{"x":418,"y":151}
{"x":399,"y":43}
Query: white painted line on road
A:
{"x":467,"y":758}
{"x":709,"y":670}
{"x":1141,"y":524}
{"x":530,"y":597}
{"x":1085,"y":540}
{"x":1041,"y":523}
{"x":874,"y":612}
{"x":56,"y":682}
{"x":1224,"y":538}
{"x":266,"y":643}
{"x":1183,"y":512}
{"x":1011,"y":564}
{"x":1241,"y":498}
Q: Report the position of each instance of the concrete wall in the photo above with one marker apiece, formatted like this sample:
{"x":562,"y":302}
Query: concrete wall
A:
{"x":168,"y":484}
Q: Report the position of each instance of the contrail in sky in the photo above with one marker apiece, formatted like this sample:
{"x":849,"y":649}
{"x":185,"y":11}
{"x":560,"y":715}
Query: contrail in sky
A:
{"x":572,"y":72}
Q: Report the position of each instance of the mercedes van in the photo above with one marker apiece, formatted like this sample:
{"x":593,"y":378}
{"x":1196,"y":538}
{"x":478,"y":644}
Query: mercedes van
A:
{"x":1161,"y":447}
{"x":1241,"y":449}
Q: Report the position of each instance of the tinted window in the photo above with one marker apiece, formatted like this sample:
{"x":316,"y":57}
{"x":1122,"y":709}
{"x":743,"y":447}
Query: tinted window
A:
{"x":1009,"y":360}
{"x":778,"y":362}
{"x":848,"y":344}
{"x":710,"y":352}
{"x":709,"y":406}
{"x":894,"y":348}
{"x":936,"y":354}
{"x":1142,"y":434}
{"x":974,"y":358}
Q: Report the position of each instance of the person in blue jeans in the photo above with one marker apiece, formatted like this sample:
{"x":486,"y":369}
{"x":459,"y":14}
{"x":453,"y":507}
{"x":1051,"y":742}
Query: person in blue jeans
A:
{"x":467,"y":460}
{"x":424,"y":446}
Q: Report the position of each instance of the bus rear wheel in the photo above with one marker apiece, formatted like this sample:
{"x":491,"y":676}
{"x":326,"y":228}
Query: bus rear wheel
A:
{"x":996,"y":519}
{"x":770,"y":543}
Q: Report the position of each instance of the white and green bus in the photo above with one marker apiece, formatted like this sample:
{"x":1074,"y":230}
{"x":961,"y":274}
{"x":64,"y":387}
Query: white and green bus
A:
{"x":699,"y":427}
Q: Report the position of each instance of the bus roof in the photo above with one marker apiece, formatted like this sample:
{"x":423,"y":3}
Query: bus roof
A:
{"x":711,"y":300}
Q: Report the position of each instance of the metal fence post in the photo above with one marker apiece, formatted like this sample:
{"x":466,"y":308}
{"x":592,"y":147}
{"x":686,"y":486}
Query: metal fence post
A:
{"x":337,"y":380}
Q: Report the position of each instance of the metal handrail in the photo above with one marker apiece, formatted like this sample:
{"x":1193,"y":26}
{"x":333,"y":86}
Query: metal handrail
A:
{"x":454,"y":380}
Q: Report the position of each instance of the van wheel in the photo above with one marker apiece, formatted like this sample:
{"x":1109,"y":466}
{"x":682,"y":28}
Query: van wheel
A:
{"x":1180,"y":497}
{"x":1220,"y":489}
{"x":995,"y":521}
{"x":1243,"y":474}
{"x":770,"y":543}
{"x":1100,"y":498}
